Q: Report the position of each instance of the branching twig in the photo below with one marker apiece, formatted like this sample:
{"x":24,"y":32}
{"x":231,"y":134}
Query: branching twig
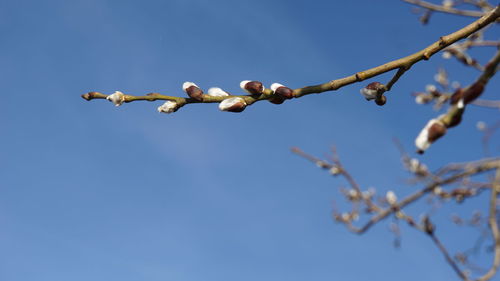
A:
{"x":402,"y":64}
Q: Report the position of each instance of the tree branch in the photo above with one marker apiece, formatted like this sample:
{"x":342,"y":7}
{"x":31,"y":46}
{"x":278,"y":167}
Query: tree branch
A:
{"x":403,"y":64}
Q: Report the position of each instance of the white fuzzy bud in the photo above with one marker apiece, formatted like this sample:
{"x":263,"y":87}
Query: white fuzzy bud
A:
{"x":168,"y":107}
{"x":430,"y":88}
{"x":391,"y":197}
{"x":437,"y":190}
{"x":345,"y":217}
{"x":420,"y":99}
{"x":235,"y":104}
{"x":117,"y":98}
{"x":416,"y":167}
{"x":186,"y":85}
{"x":334,"y":170}
{"x":217,"y":92}
{"x":369,"y":94}
{"x":446,"y":55}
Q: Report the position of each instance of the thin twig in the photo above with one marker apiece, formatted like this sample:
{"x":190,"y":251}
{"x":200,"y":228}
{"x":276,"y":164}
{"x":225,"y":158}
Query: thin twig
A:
{"x":493,"y":224}
{"x":443,"y":9}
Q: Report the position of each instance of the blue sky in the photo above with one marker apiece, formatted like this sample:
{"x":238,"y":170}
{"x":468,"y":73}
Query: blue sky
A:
{"x":90,"y":191}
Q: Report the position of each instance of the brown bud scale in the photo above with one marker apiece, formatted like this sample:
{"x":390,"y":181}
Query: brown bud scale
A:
{"x":436,"y":131}
{"x":195,"y":93}
{"x":254,"y":87}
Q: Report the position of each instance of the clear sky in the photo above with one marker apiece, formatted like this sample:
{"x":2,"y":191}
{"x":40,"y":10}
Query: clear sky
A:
{"x":90,"y":191}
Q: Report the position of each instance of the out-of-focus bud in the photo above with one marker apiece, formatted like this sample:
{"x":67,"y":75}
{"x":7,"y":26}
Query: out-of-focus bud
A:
{"x":193,"y":91}
{"x":481,"y":126}
{"x":437,"y":191}
{"x":168,"y":107}
{"x":429,"y":134}
{"x":353,"y":195}
{"x":345,"y":217}
{"x":431,"y":89}
{"x":455,"y":84}
{"x":372,"y":90}
{"x":235,"y":104}
{"x":217,"y":92}
{"x":391,"y":197}
{"x":282,"y":91}
{"x":446,"y":55}
{"x":448,"y":3}
{"x":468,"y":94}
{"x":417,"y":168}
{"x":117,"y":98}
{"x":334,"y":170}
{"x":442,"y":77}
{"x":368,"y":194}
{"x":422,"y":98}
{"x":429,"y":228}
{"x":252,"y":87}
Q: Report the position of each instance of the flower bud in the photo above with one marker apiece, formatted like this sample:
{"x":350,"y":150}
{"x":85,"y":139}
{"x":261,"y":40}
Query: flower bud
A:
{"x":429,"y":134}
{"x":391,"y":197}
{"x":193,"y":91}
{"x":252,"y":87}
{"x":168,"y":107}
{"x":282,"y":91}
{"x":235,"y":104}
{"x":117,"y":98}
{"x":217,"y":92}
{"x":372,"y":90}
